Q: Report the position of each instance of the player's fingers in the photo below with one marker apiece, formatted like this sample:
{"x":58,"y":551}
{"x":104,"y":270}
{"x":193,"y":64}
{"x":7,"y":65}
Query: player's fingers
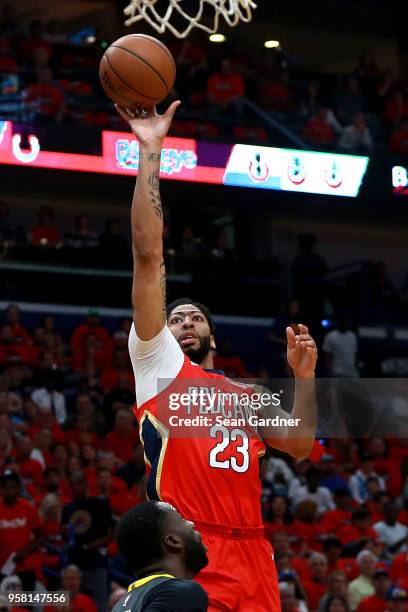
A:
{"x":302,"y":337}
{"x":123,"y":112}
{"x":309,"y":343}
{"x":303,"y":328}
{"x":291,"y":338}
{"x":172,"y":109}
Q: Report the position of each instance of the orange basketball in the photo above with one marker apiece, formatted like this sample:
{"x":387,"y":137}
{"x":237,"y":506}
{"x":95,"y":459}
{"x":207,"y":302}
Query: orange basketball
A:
{"x":137,"y":71}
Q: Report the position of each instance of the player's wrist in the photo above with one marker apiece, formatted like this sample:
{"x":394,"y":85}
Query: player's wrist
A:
{"x":151,"y":145}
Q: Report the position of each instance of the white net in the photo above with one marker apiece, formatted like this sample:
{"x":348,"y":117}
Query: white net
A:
{"x":180,"y":19}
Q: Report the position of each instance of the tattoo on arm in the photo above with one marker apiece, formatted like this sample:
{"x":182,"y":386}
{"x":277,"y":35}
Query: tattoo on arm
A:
{"x":154,"y":157}
{"x":163,"y":287}
{"x":154,"y":182}
{"x":156,"y":203}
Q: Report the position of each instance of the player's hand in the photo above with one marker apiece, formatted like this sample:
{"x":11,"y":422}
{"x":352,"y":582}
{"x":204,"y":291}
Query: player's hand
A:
{"x":146,"y":124}
{"x":301,"y":352}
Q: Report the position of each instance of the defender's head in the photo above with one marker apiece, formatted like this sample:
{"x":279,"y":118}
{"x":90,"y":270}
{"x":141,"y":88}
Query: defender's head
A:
{"x":192,"y":325}
{"x":153,"y":535}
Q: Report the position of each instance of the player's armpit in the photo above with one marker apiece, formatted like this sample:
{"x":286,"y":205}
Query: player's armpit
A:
{"x":149,"y":296}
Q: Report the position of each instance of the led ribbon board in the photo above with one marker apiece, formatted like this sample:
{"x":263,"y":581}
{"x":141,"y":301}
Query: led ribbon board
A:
{"x":292,"y":170}
{"x":186,"y":159}
{"x":400,"y":180}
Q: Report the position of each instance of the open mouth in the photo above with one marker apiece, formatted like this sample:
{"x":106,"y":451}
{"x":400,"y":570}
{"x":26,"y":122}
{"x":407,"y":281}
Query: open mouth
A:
{"x":187,"y":339}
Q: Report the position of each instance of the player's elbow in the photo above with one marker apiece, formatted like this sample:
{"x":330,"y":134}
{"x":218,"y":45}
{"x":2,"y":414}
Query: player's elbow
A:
{"x":146,"y":253}
{"x":300,"y":448}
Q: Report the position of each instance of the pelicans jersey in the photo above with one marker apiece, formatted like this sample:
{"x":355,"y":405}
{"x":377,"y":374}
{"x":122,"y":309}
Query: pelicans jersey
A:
{"x":202,"y":458}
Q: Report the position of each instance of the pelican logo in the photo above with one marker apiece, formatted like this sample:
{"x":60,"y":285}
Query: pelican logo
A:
{"x":3,"y":128}
{"x":296,"y":171}
{"x":258,"y":169}
{"x":334,"y":176}
{"x":26,"y":157}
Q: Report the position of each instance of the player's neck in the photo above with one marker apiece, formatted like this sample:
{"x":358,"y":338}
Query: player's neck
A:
{"x":208,"y":362}
{"x":172,"y":567}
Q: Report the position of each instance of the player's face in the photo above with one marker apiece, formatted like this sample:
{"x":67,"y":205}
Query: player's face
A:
{"x":191,"y":330}
{"x":195,"y":553}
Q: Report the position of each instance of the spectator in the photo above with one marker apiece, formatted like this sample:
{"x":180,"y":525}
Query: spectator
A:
{"x":44,"y":233}
{"x":321,"y":127}
{"x":340,"y":348}
{"x":226,"y":88}
{"x":337,"y":603}
{"x":399,"y":139}
{"x":48,"y":399}
{"x":90,"y":326}
{"x":45,"y":98}
{"x":378,"y":601}
{"x":287,"y":597}
{"x":121,"y":441}
{"x":396,"y":109}
{"x":114,"y":492}
{"x":390,"y":532}
{"x":316,"y":586}
{"x":190,"y":245}
{"x":228,"y":361}
{"x":312,"y":491}
{"x":20,"y":531}
{"x":356,"y":137}
{"x":359,"y":529}
{"x":280,"y":518}
{"x":114,"y":598}
{"x":120,"y":373}
{"x":82,"y":236}
{"x":276,"y":95}
{"x":397,"y":600}
{"x":358,"y":481}
{"x":330,"y":476}
{"x":30,"y":469}
{"x":13,"y":317}
{"x":362,"y":586}
{"x":349,"y":102}
{"x":88,"y":528}
{"x":34,"y":41}
{"x":336,"y":587}
{"x":71,"y":582}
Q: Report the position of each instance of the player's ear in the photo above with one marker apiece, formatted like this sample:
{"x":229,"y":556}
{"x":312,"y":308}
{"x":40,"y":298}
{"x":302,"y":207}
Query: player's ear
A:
{"x":212,"y":342}
{"x":173,"y":542}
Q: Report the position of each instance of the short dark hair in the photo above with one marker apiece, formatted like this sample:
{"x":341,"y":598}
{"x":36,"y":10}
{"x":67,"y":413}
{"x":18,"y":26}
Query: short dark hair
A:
{"x":50,"y":470}
{"x":360,"y":515}
{"x":185,"y":300}
{"x":331,"y":543}
{"x":10,"y":476}
{"x":139,"y":535}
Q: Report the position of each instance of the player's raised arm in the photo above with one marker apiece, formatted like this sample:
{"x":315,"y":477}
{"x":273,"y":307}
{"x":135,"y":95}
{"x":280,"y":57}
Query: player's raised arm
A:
{"x":149,"y":277}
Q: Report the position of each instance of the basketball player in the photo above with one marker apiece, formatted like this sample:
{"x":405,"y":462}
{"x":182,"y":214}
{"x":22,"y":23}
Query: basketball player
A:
{"x":212,"y":480}
{"x":165,"y":553}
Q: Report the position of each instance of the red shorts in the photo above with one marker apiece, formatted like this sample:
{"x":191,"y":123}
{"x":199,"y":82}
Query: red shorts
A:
{"x":241,"y":575}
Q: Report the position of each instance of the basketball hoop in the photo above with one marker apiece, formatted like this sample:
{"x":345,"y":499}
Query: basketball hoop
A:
{"x":233,"y":11}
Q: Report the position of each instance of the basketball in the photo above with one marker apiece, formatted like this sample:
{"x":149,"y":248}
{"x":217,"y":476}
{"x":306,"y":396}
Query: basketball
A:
{"x":137,"y":71}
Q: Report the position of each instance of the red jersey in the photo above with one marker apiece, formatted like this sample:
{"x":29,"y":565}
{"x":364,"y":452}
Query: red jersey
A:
{"x":213,"y":474}
{"x":17,"y":523}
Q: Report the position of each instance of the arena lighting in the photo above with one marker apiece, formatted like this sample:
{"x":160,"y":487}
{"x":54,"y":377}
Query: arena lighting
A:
{"x":90,"y":39}
{"x":272,"y":44}
{"x":217,"y":38}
